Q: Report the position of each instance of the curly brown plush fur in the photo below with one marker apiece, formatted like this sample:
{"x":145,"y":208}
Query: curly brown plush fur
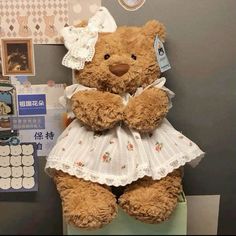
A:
{"x":99,"y":110}
{"x":124,"y":62}
{"x":152,"y":201}
{"x":122,"y":49}
{"x":85,"y":204}
{"x":120,"y":46}
{"x":146,"y":111}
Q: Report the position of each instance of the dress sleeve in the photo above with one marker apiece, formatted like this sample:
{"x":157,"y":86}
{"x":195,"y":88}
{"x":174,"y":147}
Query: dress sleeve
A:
{"x":65,"y":100}
{"x":159,"y":83}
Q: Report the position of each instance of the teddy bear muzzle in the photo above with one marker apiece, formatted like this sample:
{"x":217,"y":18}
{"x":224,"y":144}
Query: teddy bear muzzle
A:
{"x":119,"y":69}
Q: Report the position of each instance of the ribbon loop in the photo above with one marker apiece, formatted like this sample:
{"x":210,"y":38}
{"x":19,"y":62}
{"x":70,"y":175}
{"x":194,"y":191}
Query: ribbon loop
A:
{"x":81,"y":41}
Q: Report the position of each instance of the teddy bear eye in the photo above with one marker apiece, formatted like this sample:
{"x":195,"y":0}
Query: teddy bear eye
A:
{"x":133,"y":56}
{"x":106,"y":56}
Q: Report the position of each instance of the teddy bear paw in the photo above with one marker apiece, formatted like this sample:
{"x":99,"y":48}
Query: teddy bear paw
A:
{"x":90,"y":209}
{"x":86,"y":205}
{"x":152,"y":201}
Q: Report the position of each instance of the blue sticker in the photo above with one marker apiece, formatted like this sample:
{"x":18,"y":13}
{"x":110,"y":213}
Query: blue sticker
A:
{"x":32,"y":104}
{"x":27,"y":122}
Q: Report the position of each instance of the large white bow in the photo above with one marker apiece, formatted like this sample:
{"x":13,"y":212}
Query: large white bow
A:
{"x":81,"y":41}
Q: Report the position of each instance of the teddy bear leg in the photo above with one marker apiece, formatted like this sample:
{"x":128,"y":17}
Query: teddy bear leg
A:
{"x":85,"y":204}
{"x":152,"y":201}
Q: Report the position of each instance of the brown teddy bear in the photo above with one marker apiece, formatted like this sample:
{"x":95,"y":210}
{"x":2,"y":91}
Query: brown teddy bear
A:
{"x":120,"y":136}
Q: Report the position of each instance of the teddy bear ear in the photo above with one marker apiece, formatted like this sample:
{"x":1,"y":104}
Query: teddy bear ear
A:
{"x":153,"y":28}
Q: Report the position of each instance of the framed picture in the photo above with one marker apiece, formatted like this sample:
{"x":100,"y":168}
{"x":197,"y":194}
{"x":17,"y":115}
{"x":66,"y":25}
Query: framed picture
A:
{"x":17,"y":56}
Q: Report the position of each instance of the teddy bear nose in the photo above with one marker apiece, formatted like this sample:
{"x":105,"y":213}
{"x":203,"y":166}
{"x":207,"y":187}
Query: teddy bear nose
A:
{"x":119,"y":69}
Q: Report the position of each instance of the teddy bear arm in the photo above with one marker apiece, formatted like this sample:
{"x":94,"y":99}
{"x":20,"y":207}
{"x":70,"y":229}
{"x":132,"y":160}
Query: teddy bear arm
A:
{"x":146,"y":111}
{"x":98,"y":110}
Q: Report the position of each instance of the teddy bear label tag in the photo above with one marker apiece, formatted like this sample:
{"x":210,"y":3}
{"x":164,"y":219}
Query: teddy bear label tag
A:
{"x":161,"y":55}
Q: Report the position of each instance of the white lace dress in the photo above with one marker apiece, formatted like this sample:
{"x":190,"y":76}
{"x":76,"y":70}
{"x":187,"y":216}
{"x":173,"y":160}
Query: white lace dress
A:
{"x":121,"y":155}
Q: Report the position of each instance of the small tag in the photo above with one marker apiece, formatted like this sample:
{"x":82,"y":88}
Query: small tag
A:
{"x":161,"y":55}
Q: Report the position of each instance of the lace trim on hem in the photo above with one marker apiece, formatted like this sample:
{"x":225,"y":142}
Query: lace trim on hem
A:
{"x":111,"y":180}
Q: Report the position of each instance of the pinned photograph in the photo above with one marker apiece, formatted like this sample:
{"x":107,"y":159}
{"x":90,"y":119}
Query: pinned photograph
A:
{"x":17,"y":57}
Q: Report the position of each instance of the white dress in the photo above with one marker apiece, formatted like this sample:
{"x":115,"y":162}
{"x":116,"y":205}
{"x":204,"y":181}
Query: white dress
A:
{"x":120,"y":155}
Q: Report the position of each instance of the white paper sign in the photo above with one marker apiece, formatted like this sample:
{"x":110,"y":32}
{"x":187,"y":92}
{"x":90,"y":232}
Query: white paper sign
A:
{"x":46,"y":137}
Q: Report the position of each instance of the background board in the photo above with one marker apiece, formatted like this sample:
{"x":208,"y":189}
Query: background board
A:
{"x":201,"y":47}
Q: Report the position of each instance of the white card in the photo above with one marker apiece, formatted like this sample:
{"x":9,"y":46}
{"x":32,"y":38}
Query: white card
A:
{"x":46,"y":138}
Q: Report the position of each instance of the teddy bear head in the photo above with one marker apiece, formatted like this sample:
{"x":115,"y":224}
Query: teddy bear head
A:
{"x":124,"y":60}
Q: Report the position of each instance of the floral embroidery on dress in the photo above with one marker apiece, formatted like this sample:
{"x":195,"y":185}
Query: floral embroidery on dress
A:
{"x":106,"y":157}
{"x":127,"y":164}
{"x":130,"y":146}
{"x":158,"y":146}
{"x":79,"y":164}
